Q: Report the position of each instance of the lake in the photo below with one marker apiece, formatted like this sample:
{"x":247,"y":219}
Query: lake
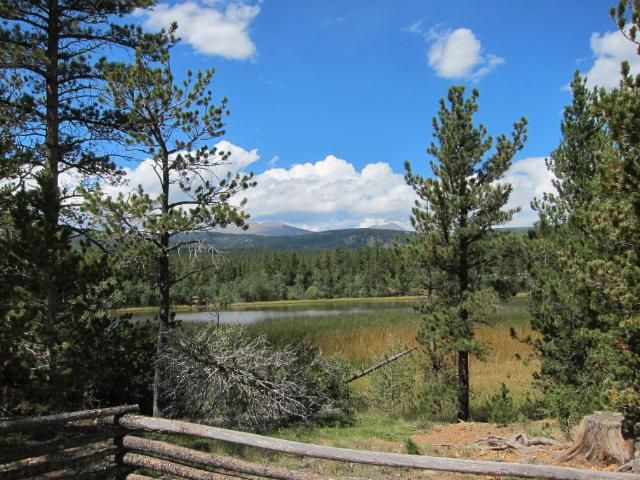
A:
{"x":247,"y":314}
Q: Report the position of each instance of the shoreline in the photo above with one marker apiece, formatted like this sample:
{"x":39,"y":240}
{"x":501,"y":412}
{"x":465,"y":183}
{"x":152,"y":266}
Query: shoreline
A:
{"x":274,"y":303}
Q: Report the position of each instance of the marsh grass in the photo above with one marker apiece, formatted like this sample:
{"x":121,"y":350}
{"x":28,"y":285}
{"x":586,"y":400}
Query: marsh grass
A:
{"x":362,"y":338}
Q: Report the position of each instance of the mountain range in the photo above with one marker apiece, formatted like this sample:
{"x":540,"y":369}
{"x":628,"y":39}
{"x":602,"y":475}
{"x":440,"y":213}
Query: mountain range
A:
{"x":281,"y":236}
{"x":285,"y":237}
{"x":278,"y":229}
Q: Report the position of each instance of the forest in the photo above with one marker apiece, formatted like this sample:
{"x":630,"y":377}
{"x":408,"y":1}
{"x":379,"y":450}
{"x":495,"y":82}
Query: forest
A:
{"x":73,"y":256}
{"x":249,"y":275}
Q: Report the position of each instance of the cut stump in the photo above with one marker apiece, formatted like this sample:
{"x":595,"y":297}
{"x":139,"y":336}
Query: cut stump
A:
{"x":599,"y":440}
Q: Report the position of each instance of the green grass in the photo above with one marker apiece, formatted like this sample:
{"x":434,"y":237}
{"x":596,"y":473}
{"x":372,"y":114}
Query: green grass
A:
{"x":359,"y":337}
{"x":369,"y":429}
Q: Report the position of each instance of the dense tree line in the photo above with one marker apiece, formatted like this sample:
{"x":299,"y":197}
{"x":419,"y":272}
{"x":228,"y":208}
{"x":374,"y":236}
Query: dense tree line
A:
{"x":270,"y":274}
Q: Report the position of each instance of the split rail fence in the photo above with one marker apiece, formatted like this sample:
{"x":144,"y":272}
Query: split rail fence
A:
{"x":111,"y":443}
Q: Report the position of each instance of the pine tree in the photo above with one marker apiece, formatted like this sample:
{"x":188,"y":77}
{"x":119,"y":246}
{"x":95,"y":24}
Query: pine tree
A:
{"x":572,"y":323}
{"x":586,"y":273}
{"x":50,"y":71}
{"x":454,"y":218}
{"x":615,"y":228}
{"x":171,"y":123}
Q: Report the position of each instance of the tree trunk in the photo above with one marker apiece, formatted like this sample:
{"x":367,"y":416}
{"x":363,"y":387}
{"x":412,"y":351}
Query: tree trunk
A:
{"x":463,"y":385}
{"x":463,"y":356}
{"x":163,"y":325}
{"x":599,"y":440}
{"x":164,"y":283}
{"x":51,"y":207}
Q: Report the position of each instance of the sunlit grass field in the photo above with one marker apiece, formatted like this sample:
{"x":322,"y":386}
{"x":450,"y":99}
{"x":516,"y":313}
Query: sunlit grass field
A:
{"x":362,"y":339}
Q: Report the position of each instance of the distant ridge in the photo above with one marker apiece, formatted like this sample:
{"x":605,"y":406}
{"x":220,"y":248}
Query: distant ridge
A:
{"x":268,"y":229}
{"x":300,"y":239}
{"x":388,"y":226}
{"x":350,"y":238}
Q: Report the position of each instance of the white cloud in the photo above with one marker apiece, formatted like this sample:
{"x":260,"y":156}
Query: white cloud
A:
{"x":371,"y":222}
{"x":530,"y":178}
{"x":331,"y":193}
{"x":415,"y":27}
{"x":212,"y":30}
{"x":610,"y":49}
{"x":458,"y":54}
{"x":275,"y":159}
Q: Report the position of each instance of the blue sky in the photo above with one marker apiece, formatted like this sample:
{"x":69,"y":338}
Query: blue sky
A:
{"x":330,"y":97}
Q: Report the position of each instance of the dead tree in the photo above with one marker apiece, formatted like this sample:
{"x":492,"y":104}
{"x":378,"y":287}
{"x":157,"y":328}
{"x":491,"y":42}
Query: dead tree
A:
{"x":225,"y":377}
{"x":599,"y":440}
{"x":381,"y":364}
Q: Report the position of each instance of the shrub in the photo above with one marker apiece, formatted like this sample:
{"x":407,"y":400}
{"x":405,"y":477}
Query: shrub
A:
{"x":568,"y":404}
{"x":412,"y":447}
{"x":393,"y":386}
{"x":437,"y":400}
{"x":500,"y":407}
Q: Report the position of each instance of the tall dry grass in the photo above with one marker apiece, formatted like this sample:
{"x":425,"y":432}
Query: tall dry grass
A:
{"x":362,"y":339}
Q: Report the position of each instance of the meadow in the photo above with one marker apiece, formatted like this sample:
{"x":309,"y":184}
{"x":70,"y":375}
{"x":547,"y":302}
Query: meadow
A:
{"x":363,"y":338}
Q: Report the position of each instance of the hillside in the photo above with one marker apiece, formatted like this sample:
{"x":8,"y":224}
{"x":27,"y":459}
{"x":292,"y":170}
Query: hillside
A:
{"x":299,"y":239}
{"x":268,"y":229}
{"x":349,"y":238}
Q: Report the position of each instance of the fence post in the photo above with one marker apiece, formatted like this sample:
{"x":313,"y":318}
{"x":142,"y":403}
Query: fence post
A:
{"x":635,"y":466}
{"x":122,"y":470}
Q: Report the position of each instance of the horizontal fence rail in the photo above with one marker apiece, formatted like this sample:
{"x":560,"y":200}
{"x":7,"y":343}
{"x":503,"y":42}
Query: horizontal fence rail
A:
{"x":475,"y":467}
{"x":44,"y":421}
{"x":64,"y":446}
{"x":114,"y":448}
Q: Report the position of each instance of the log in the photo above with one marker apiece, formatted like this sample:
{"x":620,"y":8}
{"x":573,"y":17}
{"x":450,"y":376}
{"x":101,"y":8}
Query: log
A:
{"x":169,"y":468}
{"x":599,"y":440}
{"x":182,"y":454}
{"x":476,"y":467}
{"x":77,"y":458}
{"x":39,"y":422}
{"x":69,"y":473}
{"x":519,"y":442}
{"x":386,"y":361}
{"x":135,"y":476}
{"x":51,"y":446}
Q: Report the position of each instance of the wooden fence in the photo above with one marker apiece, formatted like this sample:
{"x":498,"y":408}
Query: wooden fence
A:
{"x":110,"y":443}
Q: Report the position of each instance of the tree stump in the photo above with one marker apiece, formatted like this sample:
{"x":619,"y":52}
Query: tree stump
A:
{"x":599,"y":440}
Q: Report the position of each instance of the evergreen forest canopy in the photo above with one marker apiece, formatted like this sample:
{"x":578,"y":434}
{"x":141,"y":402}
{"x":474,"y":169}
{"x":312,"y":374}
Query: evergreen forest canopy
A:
{"x":248,"y":275}
{"x":71,"y":256}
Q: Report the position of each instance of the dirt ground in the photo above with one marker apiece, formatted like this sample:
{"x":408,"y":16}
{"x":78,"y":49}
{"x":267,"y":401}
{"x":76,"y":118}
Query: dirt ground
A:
{"x":465,"y":440}
{"x":460,"y":440}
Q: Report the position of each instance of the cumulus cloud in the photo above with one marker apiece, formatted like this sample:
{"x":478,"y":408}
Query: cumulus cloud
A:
{"x":529,"y":178}
{"x":211,"y":29}
{"x":331,"y":193}
{"x":610,"y":49}
{"x":458,"y":54}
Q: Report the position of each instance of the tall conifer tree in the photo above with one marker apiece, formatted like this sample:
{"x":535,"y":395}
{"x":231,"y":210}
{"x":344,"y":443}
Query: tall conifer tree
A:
{"x":454,"y":217}
{"x":171,"y":123}
{"x":50,"y":72}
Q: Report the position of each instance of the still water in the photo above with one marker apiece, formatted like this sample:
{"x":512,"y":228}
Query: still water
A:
{"x":247,"y":314}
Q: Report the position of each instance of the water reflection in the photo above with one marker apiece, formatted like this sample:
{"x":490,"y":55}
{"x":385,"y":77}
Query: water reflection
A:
{"x":248,"y":315}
